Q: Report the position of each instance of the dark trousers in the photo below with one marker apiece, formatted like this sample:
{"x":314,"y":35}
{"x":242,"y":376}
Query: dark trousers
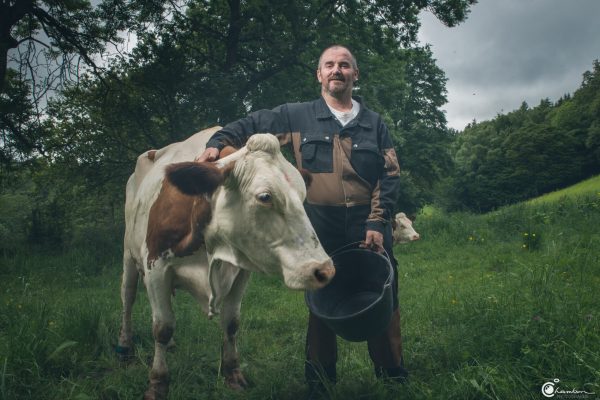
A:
{"x":337,"y":227}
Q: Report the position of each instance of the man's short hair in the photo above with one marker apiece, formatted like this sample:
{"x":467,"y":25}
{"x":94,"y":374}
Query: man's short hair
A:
{"x":333,"y":46}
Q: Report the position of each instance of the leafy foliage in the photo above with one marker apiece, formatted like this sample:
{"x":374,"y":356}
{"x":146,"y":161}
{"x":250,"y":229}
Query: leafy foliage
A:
{"x":48,"y":44}
{"x":198,"y":64}
{"x":218,"y":61}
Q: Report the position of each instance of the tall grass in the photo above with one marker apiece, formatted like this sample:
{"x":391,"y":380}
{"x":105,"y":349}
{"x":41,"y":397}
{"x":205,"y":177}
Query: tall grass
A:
{"x":488,"y":312}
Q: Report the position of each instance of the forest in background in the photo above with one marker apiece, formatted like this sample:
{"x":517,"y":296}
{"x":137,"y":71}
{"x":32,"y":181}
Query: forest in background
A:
{"x":65,"y":158}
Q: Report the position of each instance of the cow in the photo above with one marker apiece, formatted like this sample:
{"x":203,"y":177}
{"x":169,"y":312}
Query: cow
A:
{"x":403,"y":229}
{"x":203,"y":227}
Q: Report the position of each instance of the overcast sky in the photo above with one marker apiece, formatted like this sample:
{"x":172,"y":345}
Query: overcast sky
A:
{"x":510,"y":51}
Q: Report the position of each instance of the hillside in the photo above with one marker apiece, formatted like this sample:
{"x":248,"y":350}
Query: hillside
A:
{"x":586,"y":187}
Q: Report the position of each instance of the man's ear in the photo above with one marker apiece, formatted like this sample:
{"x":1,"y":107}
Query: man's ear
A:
{"x":319,"y":77}
{"x":195,"y":178}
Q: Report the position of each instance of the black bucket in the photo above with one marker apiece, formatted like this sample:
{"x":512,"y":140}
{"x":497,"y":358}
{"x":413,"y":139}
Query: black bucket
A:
{"x":357,"y":304}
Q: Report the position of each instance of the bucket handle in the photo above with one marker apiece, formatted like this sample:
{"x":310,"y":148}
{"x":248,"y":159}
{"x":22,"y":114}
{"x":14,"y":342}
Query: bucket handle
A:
{"x":356,"y":245}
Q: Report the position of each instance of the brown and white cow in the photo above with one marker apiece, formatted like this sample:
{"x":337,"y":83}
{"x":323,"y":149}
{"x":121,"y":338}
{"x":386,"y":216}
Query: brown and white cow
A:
{"x":203,"y":227}
{"x":403,"y":229}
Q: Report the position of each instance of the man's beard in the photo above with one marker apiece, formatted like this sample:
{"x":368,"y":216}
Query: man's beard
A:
{"x":336,"y":90}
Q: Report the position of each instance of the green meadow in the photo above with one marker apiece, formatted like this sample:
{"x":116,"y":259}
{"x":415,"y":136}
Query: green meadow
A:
{"x":493,"y":306}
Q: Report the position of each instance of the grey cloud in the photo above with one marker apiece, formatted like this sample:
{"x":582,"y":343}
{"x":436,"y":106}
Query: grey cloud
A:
{"x":513,"y":50}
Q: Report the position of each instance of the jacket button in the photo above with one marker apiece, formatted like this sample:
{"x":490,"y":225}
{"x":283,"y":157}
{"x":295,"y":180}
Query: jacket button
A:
{"x":326,"y":137}
{"x":355,"y":146}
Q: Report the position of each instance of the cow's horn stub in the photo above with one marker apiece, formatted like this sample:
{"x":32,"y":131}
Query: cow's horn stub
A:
{"x":263,"y":142}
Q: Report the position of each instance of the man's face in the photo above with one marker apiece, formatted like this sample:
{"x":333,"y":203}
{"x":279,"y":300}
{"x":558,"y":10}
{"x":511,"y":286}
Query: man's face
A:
{"x":336,"y":73}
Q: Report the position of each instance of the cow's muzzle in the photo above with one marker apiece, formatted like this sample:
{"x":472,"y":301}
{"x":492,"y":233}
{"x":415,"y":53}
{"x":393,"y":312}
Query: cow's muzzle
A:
{"x":321,"y":274}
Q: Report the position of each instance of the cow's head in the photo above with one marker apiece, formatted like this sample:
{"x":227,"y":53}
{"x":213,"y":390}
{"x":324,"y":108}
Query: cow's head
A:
{"x":403,"y":229}
{"x":258,"y":220}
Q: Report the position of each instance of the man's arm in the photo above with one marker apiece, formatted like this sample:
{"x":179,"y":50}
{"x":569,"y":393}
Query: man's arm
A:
{"x":236,"y":133}
{"x":383,"y":198}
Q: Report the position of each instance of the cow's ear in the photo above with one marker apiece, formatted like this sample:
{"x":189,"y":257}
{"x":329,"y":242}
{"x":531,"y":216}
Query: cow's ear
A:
{"x":307,"y":176}
{"x":194,"y":178}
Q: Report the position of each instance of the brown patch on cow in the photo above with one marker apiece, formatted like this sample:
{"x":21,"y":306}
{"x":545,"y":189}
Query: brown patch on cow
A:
{"x":307,"y":176}
{"x":176,"y":222}
{"x":151,"y":155}
{"x":227,"y":150}
{"x":201,"y":215}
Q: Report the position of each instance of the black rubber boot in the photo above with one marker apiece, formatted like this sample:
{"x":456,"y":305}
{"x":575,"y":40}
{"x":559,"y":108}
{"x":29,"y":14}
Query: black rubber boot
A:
{"x":318,"y":377}
{"x":394,"y":375}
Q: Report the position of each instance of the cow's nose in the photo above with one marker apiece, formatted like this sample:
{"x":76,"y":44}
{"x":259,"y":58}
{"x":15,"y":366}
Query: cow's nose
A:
{"x":324,"y":272}
{"x":415,"y":237}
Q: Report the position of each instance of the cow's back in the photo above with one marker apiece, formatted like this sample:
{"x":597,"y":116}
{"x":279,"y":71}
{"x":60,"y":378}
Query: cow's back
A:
{"x":143,"y":186}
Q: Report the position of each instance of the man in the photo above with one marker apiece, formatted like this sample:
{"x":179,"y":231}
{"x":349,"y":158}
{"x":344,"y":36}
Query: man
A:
{"x":355,"y":173}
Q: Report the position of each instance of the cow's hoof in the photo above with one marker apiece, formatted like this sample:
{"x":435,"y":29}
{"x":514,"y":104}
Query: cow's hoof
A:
{"x":125,"y":354}
{"x":236,"y":380}
{"x":157,"y":391}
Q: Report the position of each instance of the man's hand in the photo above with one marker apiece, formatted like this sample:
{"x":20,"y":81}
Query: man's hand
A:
{"x":210,"y":154}
{"x":373,"y":241}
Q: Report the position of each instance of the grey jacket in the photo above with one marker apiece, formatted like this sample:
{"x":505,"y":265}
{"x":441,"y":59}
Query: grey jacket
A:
{"x":354,"y":165}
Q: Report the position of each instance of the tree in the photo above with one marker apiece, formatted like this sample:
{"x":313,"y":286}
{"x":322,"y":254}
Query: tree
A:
{"x":207,"y":62}
{"x":219,"y":60}
{"x":19,"y":133}
{"x":45,"y":44}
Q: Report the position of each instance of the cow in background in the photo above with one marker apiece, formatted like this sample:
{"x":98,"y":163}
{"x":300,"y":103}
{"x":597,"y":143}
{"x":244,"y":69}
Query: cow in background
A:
{"x":403,"y":229}
{"x":203,"y":227}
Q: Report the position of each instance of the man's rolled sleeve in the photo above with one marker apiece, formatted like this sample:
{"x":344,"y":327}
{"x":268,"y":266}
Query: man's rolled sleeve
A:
{"x":383,"y":199}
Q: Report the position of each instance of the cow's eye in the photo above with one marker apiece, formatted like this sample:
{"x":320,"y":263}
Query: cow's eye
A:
{"x":264,"y":197}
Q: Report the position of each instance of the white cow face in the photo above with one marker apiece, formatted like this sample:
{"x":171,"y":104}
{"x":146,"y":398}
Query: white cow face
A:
{"x":403,"y":229}
{"x":259,"y":222}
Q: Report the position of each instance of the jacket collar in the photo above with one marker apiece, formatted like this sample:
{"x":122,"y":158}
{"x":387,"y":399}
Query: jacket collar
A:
{"x":323,"y":111}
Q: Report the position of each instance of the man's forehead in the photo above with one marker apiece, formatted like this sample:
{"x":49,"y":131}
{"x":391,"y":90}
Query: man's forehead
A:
{"x":335,"y":54}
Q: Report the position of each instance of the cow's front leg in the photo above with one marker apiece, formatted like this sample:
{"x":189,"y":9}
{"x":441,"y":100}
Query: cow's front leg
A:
{"x":230,"y":322}
{"x":128,"y":292}
{"x":163,"y":326}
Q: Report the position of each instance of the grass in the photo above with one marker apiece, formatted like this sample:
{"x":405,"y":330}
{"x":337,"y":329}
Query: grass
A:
{"x":487,"y":313}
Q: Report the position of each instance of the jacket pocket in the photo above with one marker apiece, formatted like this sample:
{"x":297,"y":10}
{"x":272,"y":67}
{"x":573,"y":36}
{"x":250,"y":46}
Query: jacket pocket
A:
{"x":317,"y":152}
{"x":367,"y":161}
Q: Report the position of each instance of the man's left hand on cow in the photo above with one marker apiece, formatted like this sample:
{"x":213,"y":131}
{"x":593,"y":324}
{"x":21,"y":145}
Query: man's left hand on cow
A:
{"x":210,"y":154}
